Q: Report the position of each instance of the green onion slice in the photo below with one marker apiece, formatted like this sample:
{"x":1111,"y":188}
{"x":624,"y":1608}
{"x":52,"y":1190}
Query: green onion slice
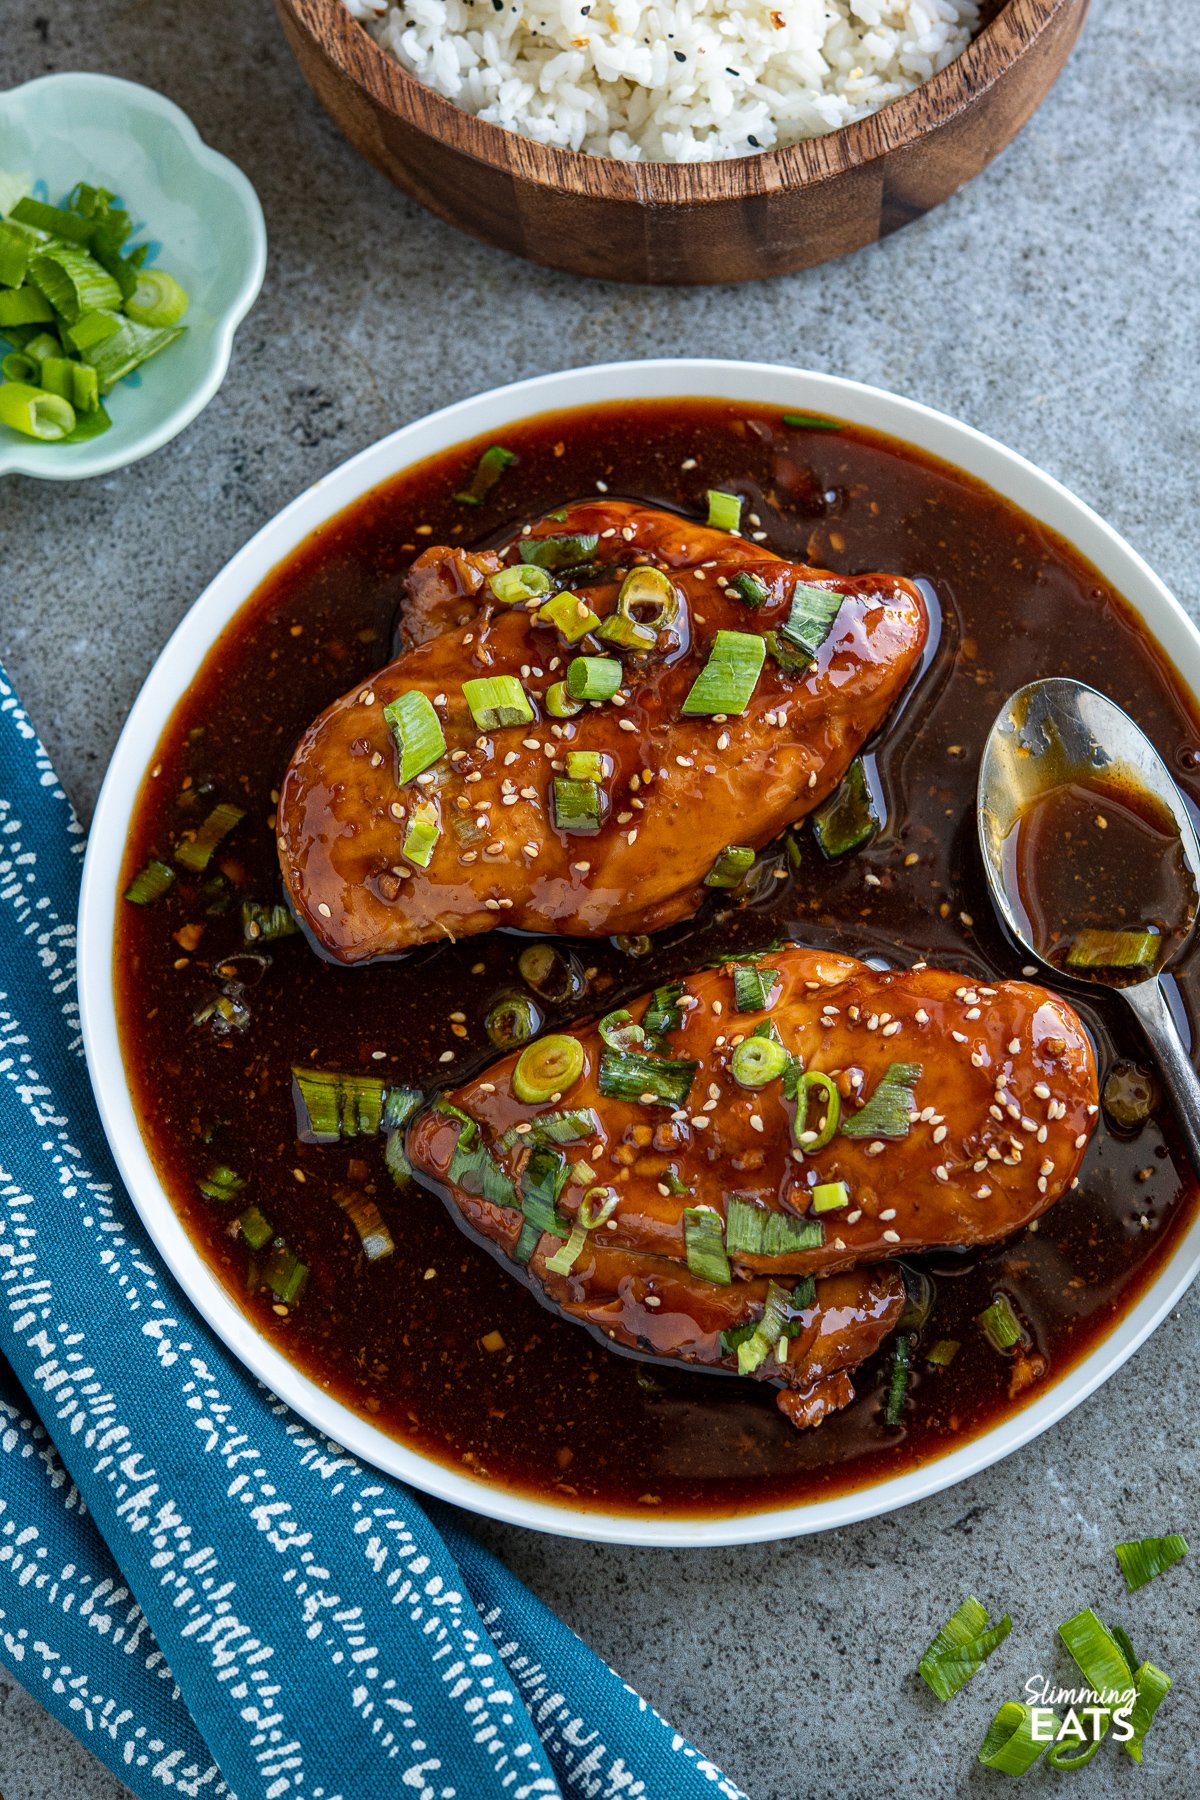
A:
{"x":416,"y":731}
{"x":888,"y":1113}
{"x":373,"y":1232}
{"x":285,"y":1274}
{"x":34,"y":413}
{"x":1098,"y":1655}
{"x":73,"y":282}
{"x":398,"y":1109}
{"x":753,"y":986}
{"x":750,"y":589}
{"x":221,"y":1183}
{"x":649,"y":598}
{"x":542,"y":1182}
{"x":728,"y":679}
{"x":756,"y":1061}
{"x":816,"y":1081}
{"x":809,"y":422}
{"x":523,"y":581}
{"x":1010,"y":1745}
{"x":158,"y":299}
{"x":560,"y":703}
{"x":1114,"y":950}
{"x":724,"y":510}
{"x":564,"y":1259}
{"x":730,"y":866}
{"x":578,"y":806}
{"x":626,"y":633}
{"x":811,"y":619}
{"x":488,"y":471}
{"x":961,"y":1648}
{"x":127,"y":349}
{"x":512,"y":1020}
{"x":331,"y":1105}
{"x":564,"y":552}
{"x":619,"y":1032}
{"x":651,"y":1080}
{"x":1145,"y":1558}
{"x":548,"y":973}
{"x":548,"y":1066}
{"x":150,"y":883}
{"x":593,"y":677}
{"x":849,"y":818}
{"x":585,"y":765}
{"x":195,"y":852}
{"x":421,"y":834}
{"x":597,"y":1207}
{"x":999,"y":1324}
{"x":1151,"y":1686}
{"x":893,"y":1410}
{"x":569,"y":1125}
{"x":830,"y":1196}
{"x":497,"y":701}
{"x":266,"y":924}
{"x":703,"y":1236}
{"x":572,"y":616}
{"x":255,"y":1228}
{"x":473,"y":1167}
{"x":753,"y":1230}
{"x":663,"y":1014}
{"x":943,"y":1353}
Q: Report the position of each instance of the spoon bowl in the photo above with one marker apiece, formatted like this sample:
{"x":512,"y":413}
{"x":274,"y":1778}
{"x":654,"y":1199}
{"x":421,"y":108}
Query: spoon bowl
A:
{"x":1059,"y":731}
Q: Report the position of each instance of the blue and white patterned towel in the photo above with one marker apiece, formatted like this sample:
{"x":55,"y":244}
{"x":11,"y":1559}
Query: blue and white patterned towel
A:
{"x":212,"y":1597}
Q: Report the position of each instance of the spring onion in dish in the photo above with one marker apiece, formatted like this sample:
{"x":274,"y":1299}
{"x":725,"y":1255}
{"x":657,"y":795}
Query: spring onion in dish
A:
{"x":888,"y":1113}
{"x":398,"y":1109}
{"x":830,"y":1196}
{"x":943,"y":1353}
{"x":473,"y":1167}
{"x":221,"y":1183}
{"x":416,"y":732}
{"x":373,"y":1232}
{"x":569,"y":1125}
{"x":593,"y":677}
{"x":893,"y":1410}
{"x":753,"y":1230}
{"x":35,"y":413}
{"x":724,"y":510}
{"x":285,"y":1274}
{"x":750,"y":589}
{"x":151,"y":881}
{"x":1145,"y":1558}
{"x":195,"y":852}
{"x":488,"y":470}
{"x":157,"y":299}
{"x":732,"y":863}
{"x":809,"y":422}
{"x":564,"y":1259}
{"x":254,"y":1226}
{"x":497,"y":702}
{"x":266,"y":924}
{"x":1000,"y":1325}
{"x":757,"y":1061}
{"x":523,"y":581}
{"x":650,"y":1080}
{"x":663,"y":1014}
{"x":1114,"y":950}
{"x":728,"y":679}
{"x":578,"y":806}
{"x":547,"y":971}
{"x":626,"y":633}
{"x":753,"y":986}
{"x":560,"y":703}
{"x":585,"y":765}
{"x":849,"y":818}
{"x":547,"y":1067}
{"x":619,"y":1032}
{"x":572,"y":616}
{"x":809,"y":1083}
{"x":566,"y":552}
{"x":649,"y":598}
{"x":809,"y":622}
{"x":704,"y":1241}
{"x":332,"y":1105}
{"x":421,"y":834}
{"x":543,"y":1180}
{"x":1010,"y":1745}
{"x":512,"y":1020}
{"x":961,"y":1648}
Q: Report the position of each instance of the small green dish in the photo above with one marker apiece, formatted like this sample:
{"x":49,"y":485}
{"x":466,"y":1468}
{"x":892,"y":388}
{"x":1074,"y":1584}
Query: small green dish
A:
{"x":201,"y":217}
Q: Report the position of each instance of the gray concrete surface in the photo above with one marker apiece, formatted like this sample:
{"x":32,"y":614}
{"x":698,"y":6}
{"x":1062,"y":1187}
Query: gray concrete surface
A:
{"x":1055,"y":304}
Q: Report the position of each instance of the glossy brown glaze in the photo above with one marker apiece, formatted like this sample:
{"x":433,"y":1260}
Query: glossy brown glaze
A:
{"x":679,"y":789}
{"x":438,"y":1344}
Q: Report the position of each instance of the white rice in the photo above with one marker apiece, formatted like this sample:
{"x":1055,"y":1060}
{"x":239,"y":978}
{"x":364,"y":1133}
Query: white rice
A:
{"x":671,"y":80}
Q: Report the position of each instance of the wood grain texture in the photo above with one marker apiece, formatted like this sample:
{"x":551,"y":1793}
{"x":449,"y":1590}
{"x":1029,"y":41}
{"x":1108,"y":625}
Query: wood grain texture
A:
{"x":736,"y":220}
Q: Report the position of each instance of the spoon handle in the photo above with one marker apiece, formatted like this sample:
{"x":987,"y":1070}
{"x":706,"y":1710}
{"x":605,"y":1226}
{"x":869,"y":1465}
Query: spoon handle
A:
{"x":1180,"y":1079}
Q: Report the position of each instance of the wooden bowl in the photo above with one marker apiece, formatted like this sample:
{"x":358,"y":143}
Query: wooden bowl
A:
{"x":735,"y":220}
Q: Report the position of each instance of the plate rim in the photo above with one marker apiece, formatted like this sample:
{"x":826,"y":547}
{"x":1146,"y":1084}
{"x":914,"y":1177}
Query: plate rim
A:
{"x":977,"y":455}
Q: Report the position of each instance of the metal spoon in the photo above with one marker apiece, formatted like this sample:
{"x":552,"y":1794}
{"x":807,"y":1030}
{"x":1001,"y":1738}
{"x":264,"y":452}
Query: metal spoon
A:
{"x":1059,"y":730}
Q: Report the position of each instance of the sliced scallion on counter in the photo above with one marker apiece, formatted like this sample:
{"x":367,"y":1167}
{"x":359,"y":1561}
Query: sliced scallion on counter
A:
{"x":704,"y":1241}
{"x":731,"y":865}
{"x":578,"y":806}
{"x":497,"y":702}
{"x":152,"y":881}
{"x":195,"y":852}
{"x":757,"y":1061}
{"x":569,"y":614}
{"x":421,"y":834}
{"x":567,"y":551}
{"x":1010,"y":1745}
{"x":488,"y":470}
{"x":961,"y":1648}
{"x":1151,"y":1687}
{"x":366,"y":1218}
{"x":728,"y":679}
{"x":593,"y":677}
{"x":523,"y":581}
{"x":1097,"y":1654}
{"x":815,"y":1137}
{"x":548,"y":1066}
{"x":650,"y":1080}
{"x":753,"y":1230}
{"x":849,"y":818}
{"x":724,"y":510}
{"x":1114,"y":949}
{"x":888,"y":1113}
{"x":1145,"y":1558}
{"x":416,"y":732}
{"x":1000,"y":1324}
{"x":753,"y":985}
{"x":332,"y":1105}
{"x":513,"y":1020}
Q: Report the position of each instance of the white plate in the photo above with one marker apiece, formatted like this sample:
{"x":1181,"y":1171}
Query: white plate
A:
{"x":491,"y":413}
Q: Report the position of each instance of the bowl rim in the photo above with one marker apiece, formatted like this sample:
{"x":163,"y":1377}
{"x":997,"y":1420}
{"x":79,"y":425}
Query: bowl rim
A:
{"x":360,"y":59}
{"x":114,"y":93}
{"x":751,"y":383}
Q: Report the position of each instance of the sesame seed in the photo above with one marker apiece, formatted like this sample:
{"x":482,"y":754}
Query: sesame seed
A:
{"x":921,"y":1016}
{"x":941,"y":1172}
{"x":447,"y":1056}
{"x":1042,"y":1091}
{"x":982,"y":1193}
{"x":756,"y":1123}
{"x":1081,"y":1140}
{"x":889,"y":1212}
{"x":891,"y":1237}
{"x":1014,"y":1048}
{"x":323,"y":910}
{"x":940,"y":1134}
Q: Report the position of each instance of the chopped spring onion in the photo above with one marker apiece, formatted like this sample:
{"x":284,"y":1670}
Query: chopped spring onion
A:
{"x":731,"y":865}
{"x":221,"y":1183}
{"x":704,"y":1240}
{"x":811,"y":619}
{"x":849,"y":817}
{"x":151,"y":882}
{"x":724,"y":510}
{"x":473,"y":1168}
{"x":331,"y":1105}
{"x":753,"y":1230}
{"x":547,"y":1067}
{"x":564,"y":1259}
{"x":593,"y":677}
{"x":753,"y":986}
{"x":578,"y":806}
{"x":157,"y":299}
{"x":195,"y":852}
{"x":943,"y":1353}
{"x":729,"y":677}
{"x":1098,"y":1655}
{"x":919,"y":1295}
{"x":264,"y":924}
{"x":511,"y":1021}
{"x":631,"y":943}
{"x":523,"y":581}
{"x":809,"y":422}
{"x":560,"y":703}
{"x":543,"y":1181}
{"x":597,"y":1207}
{"x":1151,"y":1685}
{"x":961,"y":1648}
{"x":572,"y":616}
{"x":416,"y":731}
{"x":663,"y":1014}
{"x":15,"y":249}
{"x":488,"y":471}
{"x":35,"y":414}
{"x":1128,"y":1096}
{"x":648,"y":597}
{"x":806,"y":1083}
{"x":753,"y":1350}
{"x":366,"y":1218}
{"x":421,"y":834}
{"x":829,"y":1196}
{"x":255,"y":1228}
{"x":570,"y":1125}
{"x":285,"y":1274}
{"x":619,"y":1032}
{"x":626,"y":633}
{"x":781,"y":1309}
{"x":497,"y":701}
{"x":564,"y":552}
{"x":398,"y":1109}
{"x":127,"y":349}
{"x":85,"y":389}
{"x":887,"y":1114}
{"x":651,"y":1080}
{"x":57,"y":220}
{"x":55,"y":376}
{"x":750,"y":589}
{"x":73,"y":282}
{"x":548,"y":973}
{"x":893,"y":1410}
{"x":1114,"y":950}
{"x":1074,"y":1749}
{"x":1145,"y":1558}
{"x":15,"y":367}
{"x":999,"y":1324}
{"x":1010,"y":1745}
{"x":91,"y":328}
{"x":585,"y":765}
{"x":757,"y":1061}
{"x":25,"y":306}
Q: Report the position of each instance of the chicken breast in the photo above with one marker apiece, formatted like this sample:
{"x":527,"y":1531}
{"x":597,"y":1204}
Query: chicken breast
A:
{"x":621,"y":837}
